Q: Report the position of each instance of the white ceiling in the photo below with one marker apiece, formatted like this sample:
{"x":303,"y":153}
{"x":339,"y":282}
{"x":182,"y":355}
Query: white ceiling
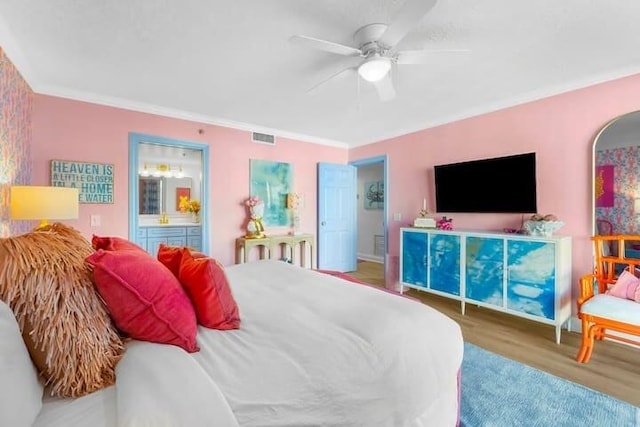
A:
{"x":231,"y":62}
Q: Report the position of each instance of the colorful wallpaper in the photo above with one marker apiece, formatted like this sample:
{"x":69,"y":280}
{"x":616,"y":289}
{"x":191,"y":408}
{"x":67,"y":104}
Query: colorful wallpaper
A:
{"x":624,"y":213}
{"x":15,"y":140}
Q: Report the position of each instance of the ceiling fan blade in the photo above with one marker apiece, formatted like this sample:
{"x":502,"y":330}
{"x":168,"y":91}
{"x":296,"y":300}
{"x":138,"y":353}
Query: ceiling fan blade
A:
{"x":325,"y":45}
{"x":385,"y":88}
{"x":339,"y":74}
{"x":422,"y":56}
{"x":407,"y":17}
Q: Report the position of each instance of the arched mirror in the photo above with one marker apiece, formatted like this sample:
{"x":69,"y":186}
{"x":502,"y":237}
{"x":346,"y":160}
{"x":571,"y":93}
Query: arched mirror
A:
{"x":616,"y":176}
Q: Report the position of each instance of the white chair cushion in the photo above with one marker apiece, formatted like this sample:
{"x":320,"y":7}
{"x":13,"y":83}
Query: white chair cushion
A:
{"x":20,"y":390}
{"x":614,"y":308}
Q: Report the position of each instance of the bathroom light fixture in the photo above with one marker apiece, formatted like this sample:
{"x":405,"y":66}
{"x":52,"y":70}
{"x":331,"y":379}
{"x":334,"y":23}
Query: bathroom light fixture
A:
{"x":144,"y":171}
{"x":161,"y":170}
{"x":374,"y":68}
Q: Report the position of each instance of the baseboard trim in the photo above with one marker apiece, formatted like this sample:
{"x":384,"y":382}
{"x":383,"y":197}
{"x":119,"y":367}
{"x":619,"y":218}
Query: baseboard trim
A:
{"x":371,"y":258}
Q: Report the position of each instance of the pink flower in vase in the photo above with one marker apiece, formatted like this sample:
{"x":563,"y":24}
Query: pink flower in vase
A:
{"x":256,"y":207}
{"x":444,"y":223}
{"x":253,"y":201}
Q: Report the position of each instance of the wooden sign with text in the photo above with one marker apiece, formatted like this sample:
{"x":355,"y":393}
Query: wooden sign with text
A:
{"x":94,"y":180}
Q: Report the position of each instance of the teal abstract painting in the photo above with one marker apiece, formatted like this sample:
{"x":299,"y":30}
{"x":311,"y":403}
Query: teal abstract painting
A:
{"x":272,"y":181}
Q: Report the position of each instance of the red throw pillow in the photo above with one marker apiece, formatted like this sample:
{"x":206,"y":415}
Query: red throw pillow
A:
{"x":114,"y":244}
{"x":171,"y":256}
{"x":144,"y":298}
{"x":206,"y":283}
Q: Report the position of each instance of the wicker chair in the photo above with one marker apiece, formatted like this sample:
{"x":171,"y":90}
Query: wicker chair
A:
{"x":600,"y":312}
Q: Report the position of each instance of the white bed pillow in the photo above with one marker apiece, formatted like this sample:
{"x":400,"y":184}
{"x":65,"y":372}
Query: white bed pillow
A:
{"x":20,"y":390}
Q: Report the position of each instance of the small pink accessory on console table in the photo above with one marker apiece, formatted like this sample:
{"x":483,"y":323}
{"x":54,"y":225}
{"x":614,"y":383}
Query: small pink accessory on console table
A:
{"x":445,"y":223}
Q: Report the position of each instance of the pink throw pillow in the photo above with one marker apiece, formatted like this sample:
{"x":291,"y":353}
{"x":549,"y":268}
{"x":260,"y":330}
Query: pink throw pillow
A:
{"x":114,"y":244}
{"x":207,"y":285}
{"x":144,"y":298}
{"x":625,"y":287}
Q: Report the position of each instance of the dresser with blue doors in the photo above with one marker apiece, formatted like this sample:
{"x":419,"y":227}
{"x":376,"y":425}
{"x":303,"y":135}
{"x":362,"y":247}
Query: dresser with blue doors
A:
{"x":527,"y":276}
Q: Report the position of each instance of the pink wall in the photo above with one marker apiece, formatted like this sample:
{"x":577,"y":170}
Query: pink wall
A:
{"x":73,"y":130}
{"x":560,"y":129}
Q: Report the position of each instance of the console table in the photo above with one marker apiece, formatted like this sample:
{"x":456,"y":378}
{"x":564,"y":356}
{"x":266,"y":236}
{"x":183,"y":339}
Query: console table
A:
{"x":289,"y":245}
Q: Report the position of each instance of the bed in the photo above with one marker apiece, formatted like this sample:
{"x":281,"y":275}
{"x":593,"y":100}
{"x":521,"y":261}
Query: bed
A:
{"x":312,"y":350}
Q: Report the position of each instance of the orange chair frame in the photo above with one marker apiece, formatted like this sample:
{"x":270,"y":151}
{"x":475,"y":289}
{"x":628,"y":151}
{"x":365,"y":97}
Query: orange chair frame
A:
{"x":604,"y":276}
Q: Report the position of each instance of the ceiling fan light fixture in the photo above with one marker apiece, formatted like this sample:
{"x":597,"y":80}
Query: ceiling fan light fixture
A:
{"x":374,"y":68}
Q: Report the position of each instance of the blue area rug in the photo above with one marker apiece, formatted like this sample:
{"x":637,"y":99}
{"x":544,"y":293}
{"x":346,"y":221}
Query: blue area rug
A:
{"x":498,"y":392}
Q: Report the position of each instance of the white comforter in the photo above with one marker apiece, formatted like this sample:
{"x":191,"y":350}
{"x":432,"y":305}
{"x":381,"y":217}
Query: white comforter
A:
{"x":312,"y":350}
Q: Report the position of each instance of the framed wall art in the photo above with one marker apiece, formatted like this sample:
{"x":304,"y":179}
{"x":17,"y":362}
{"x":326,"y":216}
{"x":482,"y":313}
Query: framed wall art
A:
{"x":272,"y":181}
{"x":182,"y":194}
{"x":373,"y":195}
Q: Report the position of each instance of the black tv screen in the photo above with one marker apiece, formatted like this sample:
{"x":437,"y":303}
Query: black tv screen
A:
{"x":497,"y":185}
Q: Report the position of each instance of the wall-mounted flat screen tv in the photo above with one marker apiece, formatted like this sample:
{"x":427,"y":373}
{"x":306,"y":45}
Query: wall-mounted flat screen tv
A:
{"x":496,"y":185}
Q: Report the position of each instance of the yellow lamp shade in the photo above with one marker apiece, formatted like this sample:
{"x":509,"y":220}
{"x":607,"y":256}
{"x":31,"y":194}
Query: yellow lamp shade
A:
{"x":30,"y":202}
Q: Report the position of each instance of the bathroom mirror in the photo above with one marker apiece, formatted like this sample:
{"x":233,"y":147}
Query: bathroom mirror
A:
{"x":160,"y":194}
{"x":166,"y":173}
{"x":616,"y":176}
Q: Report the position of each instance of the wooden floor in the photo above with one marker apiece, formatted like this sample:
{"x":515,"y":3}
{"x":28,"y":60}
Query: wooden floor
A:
{"x":614,"y":368}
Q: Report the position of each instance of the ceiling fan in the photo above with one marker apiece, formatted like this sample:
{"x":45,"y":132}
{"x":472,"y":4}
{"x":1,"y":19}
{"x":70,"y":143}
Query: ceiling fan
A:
{"x":377,"y":45}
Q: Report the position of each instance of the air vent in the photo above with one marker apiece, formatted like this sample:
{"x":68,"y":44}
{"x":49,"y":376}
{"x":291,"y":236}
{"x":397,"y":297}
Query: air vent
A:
{"x":263,"y":138}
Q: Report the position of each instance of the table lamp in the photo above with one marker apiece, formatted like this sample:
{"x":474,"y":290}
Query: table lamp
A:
{"x":31,"y":202}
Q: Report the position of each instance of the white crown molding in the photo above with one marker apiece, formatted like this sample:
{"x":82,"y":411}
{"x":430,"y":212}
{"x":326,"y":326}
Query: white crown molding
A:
{"x":512,"y":102}
{"x":280,"y":133}
{"x":20,"y":61}
{"x":179,"y":114}
{"x":464,"y":114}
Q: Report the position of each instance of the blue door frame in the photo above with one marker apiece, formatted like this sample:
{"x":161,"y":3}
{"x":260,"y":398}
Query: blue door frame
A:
{"x":134,"y":140}
{"x":370,"y":161}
